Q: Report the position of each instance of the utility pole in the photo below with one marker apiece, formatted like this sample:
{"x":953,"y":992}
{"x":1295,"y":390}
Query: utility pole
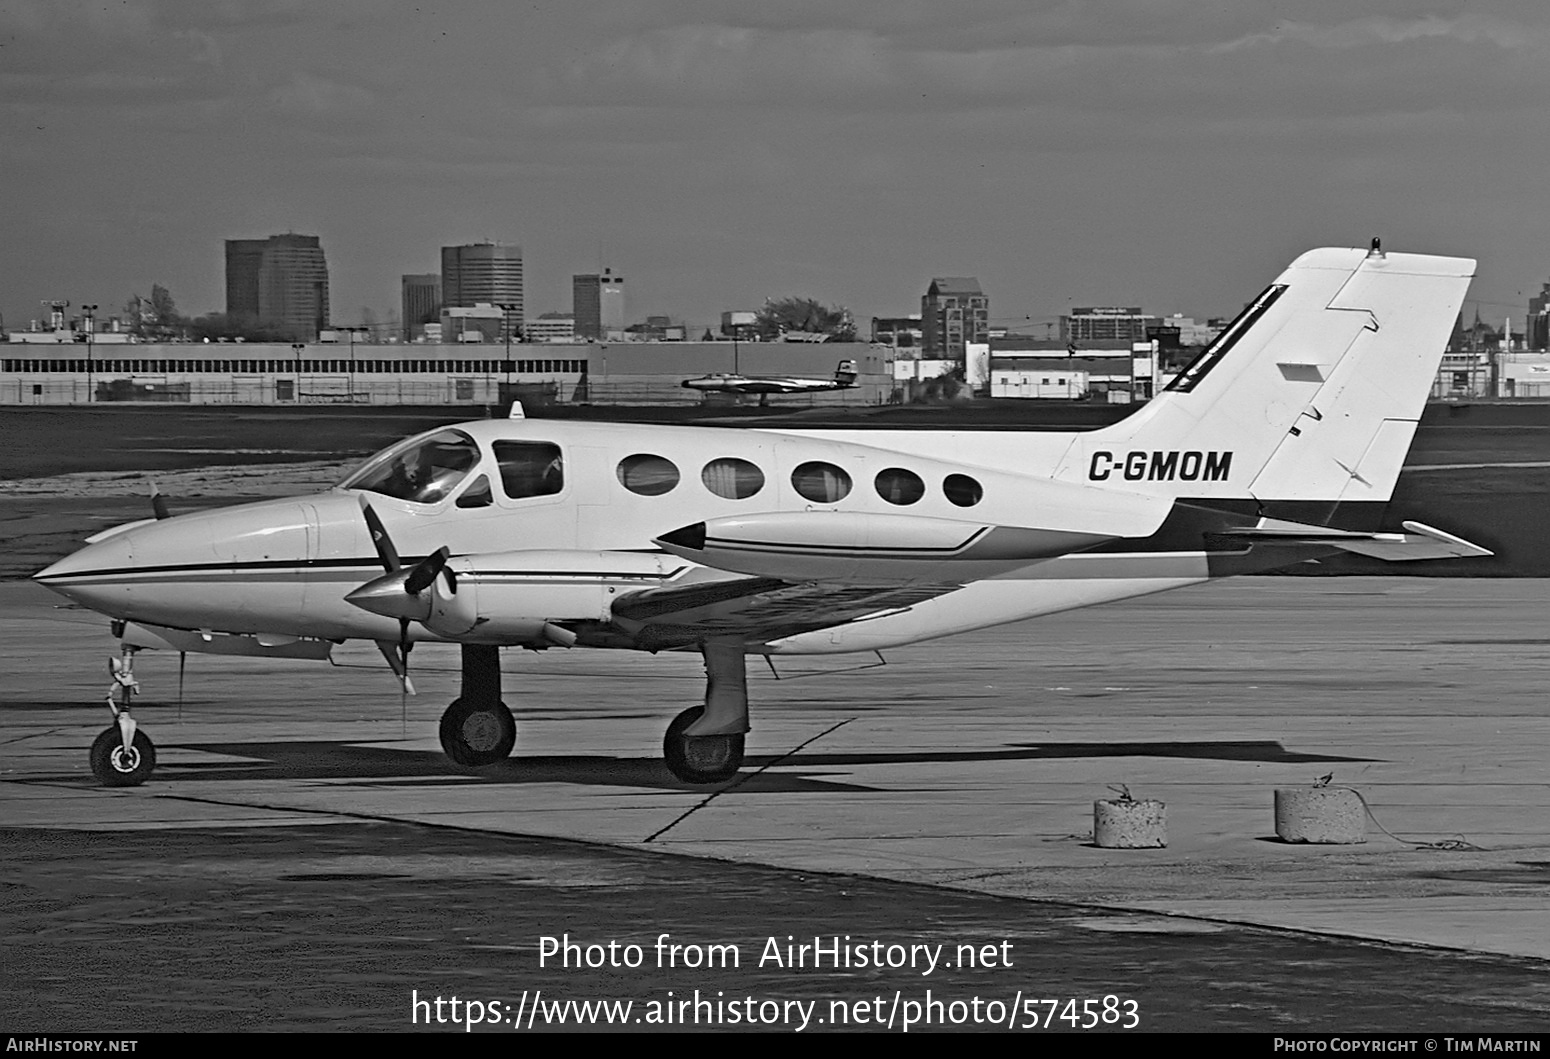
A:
{"x":297,"y":348}
{"x":506,"y":310}
{"x":89,"y":314}
{"x":351,"y":332}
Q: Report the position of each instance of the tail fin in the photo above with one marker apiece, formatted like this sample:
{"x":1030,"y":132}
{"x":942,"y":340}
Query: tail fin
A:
{"x":1312,"y":394}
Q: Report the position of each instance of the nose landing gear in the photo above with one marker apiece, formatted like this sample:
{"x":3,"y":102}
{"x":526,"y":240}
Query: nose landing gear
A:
{"x":122,"y":755}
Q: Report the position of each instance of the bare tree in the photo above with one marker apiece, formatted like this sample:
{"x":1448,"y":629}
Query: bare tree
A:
{"x":155,"y":318}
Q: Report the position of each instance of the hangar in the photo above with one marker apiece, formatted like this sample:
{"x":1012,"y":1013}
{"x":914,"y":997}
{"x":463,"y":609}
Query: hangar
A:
{"x":411,"y":373}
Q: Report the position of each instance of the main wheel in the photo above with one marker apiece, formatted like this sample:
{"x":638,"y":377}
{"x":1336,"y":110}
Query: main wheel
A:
{"x":703,"y":758}
{"x":477,"y":733}
{"x":116,"y":767}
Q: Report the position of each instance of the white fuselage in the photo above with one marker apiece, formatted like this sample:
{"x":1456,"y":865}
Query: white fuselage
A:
{"x":283,"y":567}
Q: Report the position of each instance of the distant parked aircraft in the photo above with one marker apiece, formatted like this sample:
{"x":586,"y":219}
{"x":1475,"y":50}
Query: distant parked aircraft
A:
{"x":764,"y":385}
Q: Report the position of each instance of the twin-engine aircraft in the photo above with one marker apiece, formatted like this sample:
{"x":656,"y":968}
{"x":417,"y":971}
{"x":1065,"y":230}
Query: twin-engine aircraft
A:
{"x":764,"y":385}
{"x":1281,"y":442}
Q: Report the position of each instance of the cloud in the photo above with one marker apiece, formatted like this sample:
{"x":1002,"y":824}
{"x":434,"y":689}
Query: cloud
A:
{"x":307,"y":93}
{"x":1140,"y":61}
{"x":1469,"y":28}
{"x":714,"y":64}
{"x":202,"y":46}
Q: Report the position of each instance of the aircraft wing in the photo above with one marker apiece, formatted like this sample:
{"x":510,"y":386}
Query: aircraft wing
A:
{"x":758,"y":609}
{"x":778,"y":574}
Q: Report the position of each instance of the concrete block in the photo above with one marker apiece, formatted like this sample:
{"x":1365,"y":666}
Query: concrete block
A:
{"x":1331,"y":815}
{"x":1127,"y":823}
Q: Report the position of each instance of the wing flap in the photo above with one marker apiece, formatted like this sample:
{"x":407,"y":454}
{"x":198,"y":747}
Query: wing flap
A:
{"x":759,"y":609}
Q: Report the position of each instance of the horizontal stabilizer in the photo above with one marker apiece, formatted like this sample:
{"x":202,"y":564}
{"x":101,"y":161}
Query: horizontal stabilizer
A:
{"x":1419,"y":541}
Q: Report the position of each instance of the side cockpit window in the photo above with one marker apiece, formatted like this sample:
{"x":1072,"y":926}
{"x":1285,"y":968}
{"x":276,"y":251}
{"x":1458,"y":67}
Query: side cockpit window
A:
{"x":477,"y":494}
{"x":424,"y":470}
{"x":530,"y":468}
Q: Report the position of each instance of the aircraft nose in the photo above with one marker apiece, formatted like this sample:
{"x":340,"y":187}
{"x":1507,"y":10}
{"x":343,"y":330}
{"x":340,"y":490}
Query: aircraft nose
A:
{"x":141,"y":570}
{"x":116,"y":554}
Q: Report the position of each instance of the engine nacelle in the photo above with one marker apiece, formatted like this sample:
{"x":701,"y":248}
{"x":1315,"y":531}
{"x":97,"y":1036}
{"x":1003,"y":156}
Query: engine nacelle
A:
{"x":870,"y":547}
{"x":518,"y":598}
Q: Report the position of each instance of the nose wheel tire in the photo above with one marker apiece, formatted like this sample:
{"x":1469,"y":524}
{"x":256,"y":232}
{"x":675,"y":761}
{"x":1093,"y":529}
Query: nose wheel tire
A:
{"x":477,"y":733}
{"x":704,"y":758}
{"x":115,"y":766}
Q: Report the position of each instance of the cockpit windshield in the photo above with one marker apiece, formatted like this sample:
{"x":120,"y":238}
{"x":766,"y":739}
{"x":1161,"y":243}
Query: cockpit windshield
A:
{"x":423,"y":470}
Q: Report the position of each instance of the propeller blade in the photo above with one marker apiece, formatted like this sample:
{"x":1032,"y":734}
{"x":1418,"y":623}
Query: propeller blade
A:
{"x":425,"y":571}
{"x":404,"y":647}
{"x":380,"y":539}
{"x":396,"y":663}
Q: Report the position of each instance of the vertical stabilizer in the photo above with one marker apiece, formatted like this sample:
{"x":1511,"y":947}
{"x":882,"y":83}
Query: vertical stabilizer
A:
{"x":1312,"y":393}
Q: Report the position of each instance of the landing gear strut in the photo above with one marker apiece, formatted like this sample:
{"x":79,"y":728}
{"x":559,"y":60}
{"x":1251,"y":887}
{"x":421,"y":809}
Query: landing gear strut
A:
{"x":478,"y":729}
{"x":122,"y":756}
{"x":704,"y":744}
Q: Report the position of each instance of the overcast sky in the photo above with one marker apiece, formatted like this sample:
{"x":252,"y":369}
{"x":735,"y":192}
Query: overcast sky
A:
{"x":1168,"y":153}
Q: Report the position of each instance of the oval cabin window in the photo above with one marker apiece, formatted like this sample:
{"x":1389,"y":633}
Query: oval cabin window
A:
{"x":822,"y":483}
{"x":647,"y":475}
{"x":732,"y":478}
{"x":899,"y":486}
{"x":962,"y":490}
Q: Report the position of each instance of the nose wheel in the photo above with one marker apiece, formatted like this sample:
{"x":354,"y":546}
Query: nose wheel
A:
{"x":122,"y":756}
{"x":116,"y":765}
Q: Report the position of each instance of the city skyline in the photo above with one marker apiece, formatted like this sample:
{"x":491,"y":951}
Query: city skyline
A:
{"x":1168,"y":155}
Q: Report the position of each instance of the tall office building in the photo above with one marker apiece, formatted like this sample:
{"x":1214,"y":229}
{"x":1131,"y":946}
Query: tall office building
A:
{"x":953,"y":311}
{"x":488,"y":273}
{"x":421,"y":303}
{"x":281,"y":282}
{"x":243,"y":258}
{"x":597,"y":303}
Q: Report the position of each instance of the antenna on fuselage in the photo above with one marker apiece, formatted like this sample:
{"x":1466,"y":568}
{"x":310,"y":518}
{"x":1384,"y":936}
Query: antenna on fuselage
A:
{"x":159,"y":503}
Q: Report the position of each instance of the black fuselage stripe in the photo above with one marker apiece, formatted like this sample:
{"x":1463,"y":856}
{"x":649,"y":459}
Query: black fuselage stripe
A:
{"x":826,"y":549}
{"x":1183,"y":530}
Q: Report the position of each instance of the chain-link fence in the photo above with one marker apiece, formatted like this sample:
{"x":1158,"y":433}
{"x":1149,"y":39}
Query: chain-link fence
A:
{"x":432,"y":389}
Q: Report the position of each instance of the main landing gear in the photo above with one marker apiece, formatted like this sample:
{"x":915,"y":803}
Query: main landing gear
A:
{"x":704,"y":744}
{"x":478,"y":729}
{"x":122,"y":756}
